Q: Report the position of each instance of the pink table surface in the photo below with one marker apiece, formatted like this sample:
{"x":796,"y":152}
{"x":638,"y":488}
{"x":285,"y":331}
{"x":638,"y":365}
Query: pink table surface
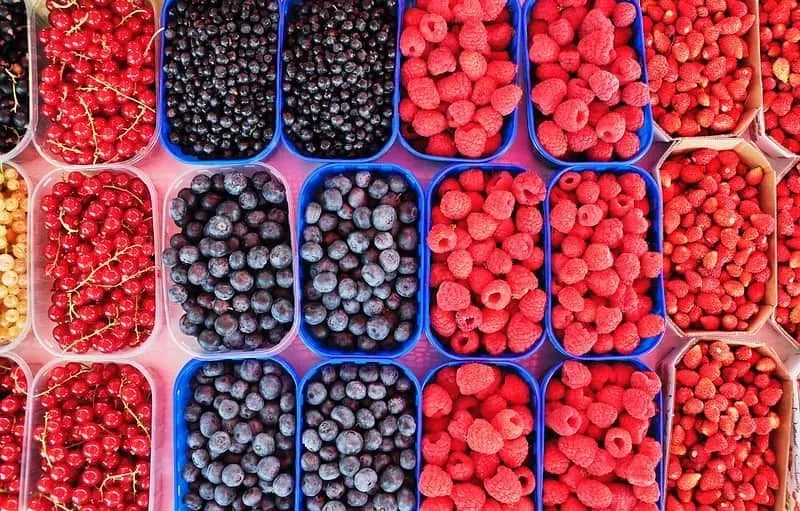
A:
{"x":163,"y":358}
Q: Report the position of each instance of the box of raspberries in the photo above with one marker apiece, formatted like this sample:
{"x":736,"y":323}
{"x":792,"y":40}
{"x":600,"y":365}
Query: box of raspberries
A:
{"x":719,"y":237}
{"x":729,"y":423}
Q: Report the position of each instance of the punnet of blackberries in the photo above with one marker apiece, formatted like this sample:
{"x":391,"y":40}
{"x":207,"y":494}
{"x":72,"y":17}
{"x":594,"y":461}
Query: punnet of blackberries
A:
{"x":231,"y":263}
{"x":220,"y":69}
{"x":14,"y":86}
{"x":359,"y":434}
{"x":360,"y":262}
{"x":338,"y":77}
{"x":241,"y":423}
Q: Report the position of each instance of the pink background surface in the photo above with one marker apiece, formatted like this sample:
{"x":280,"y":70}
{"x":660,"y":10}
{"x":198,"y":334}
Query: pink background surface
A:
{"x":163,"y":358}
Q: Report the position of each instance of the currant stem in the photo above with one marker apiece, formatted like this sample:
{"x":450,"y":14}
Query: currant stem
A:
{"x":48,"y":390}
{"x":13,"y":89}
{"x":119,"y":92}
{"x":102,"y":265}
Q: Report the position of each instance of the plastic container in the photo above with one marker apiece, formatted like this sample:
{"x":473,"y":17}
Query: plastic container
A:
{"x":656,"y":430}
{"x":32,"y":92}
{"x":314,"y":182}
{"x":655,"y":241}
{"x":26,"y":328}
{"x":433,"y":337}
{"x":17,"y":360}
{"x":286,"y":10}
{"x":510,"y":122}
{"x":645,"y":132}
{"x":174,"y":312}
{"x":301,"y":396}
{"x":181,"y":395}
{"x":537,"y":448}
{"x":39,"y":124}
{"x":164,"y":126}
{"x":36,"y":412}
{"x":41,"y":283}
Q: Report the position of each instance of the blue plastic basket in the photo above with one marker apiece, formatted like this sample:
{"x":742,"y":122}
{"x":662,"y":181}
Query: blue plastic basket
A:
{"x":655,"y":240}
{"x":301,"y":396}
{"x":537,"y":448}
{"x":509,"y":130}
{"x":433,"y":337}
{"x":656,"y":430}
{"x":645,"y":132}
{"x":164,"y":129}
{"x":181,"y":394}
{"x":311,"y":185}
{"x":286,"y":7}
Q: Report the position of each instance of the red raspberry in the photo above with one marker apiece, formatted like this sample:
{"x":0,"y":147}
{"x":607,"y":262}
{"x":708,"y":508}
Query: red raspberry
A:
{"x":564,"y":420}
{"x":532,"y":305}
{"x":443,"y":322}
{"x":500,"y":35}
{"x":504,"y":486}
{"x":482,"y":91}
{"x":508,"y":423}
{"x":454,"y":87}
{"x":473,"y":63}
{"x":578,"y":340}
{"x":499,"y":262}
{"x":528,"y":188}
{"x":468,"y":497}
{"x":601,"y":415}
{"x":436,"y":402}
{"x":601,"y":151}
{"x":502,"y":71}
{"x":554,"y":492}
{"x":617,"y":442}
{"x":575,"y":375}
{"x":470,"y":140}
{"x":598,"y":257}
{"x":582,"y":140}
{"x":441,"y":145}
{"x":547,"y":94}
{"x":435,"y":482}
{"x":441,"y":239}
{"x":506,"y":98}
{"x":473,"y":35}
{"x":441,"y":61}
{"x":571,"y":299}
{"x":436,"y":504}
{"x":597,"y":47}
{"x":611,"y":127}
{"x":489,"y":119}
{"x":412,"y":43}
{"x":433,"y":27}
{"x":594,"y":494}
{"x":543,"y":49}
{"x":436,"y":447}
{"x":460,"y":467}
{"x":563,"y":216}
{"x":624,"y":14}
{"x":427,"y":123}
{"x":561,"y":31}
{"x":522,"y":333}
{"x":604,"y":84}
{"x":455,"y":205}
{"x":515,"y":390}
{"x":580,"y":449}
{"x":571,"y":115}
{"x":452,"y":296}
{"x":474,"y":378}
{"x":595,"y":21}
{"x":407,"y":109}
{"x":627,"y":146}
{"x":483,"y":438}
{"x":423,"y":92}
{"x":650,"y":325}
{"x":465,"y":343}
{"x":515,"y":452}
{"x":636,"y":94}
{"x":521,"y":280}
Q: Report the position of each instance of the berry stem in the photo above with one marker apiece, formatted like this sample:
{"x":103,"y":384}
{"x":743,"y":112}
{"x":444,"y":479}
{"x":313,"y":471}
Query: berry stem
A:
{"x":48,"y":390}
{"x":102,"y":265}
{"x":119,"y":92}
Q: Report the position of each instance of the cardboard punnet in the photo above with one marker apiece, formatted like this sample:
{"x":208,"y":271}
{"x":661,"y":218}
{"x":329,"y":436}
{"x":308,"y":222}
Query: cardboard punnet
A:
{"x":780,"y":437}
{"x":781,"y":330}
{"x":751,"y":156}
{"x":754,"y":99}
{"x":793,"y":479}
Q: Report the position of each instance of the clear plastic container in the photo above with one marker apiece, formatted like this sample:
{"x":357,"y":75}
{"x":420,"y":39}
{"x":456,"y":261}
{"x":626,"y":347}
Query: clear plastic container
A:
{"x":40,"y":282}
{"x":26,"y":328}
{"x":25,"y":438}
{"x":28,"y":135}
{"x":38,"y":125}
{"x":174,"y":311}
{"x":34,"y":419}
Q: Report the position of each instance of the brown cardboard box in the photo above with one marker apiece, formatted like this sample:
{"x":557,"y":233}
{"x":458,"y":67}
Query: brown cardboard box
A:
{"x":781,"y":437}
{"x":755,"y":158}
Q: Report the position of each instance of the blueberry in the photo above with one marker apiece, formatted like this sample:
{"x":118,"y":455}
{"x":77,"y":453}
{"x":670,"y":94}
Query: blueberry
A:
{"x":357,"y":242}
{"x":273,"y":191}
{"x":332,"y":200}
{"x":283,"y":485}
{"x":219,"y":227}
{"x":311,"y":485}
{"x":325,"y":282}
{"x":373,"y":275}
{"x":313,"y":212}
{"x":408,"y":239}
{"x":362,"y":217}
{"x":242,"y":281}
{"x":177,"y":210}
{"x":349,"y":442}
{"x":258,"y":257}
{"x":337,"y":320}
{"x":177,"y":293}
{"x":316,"y":393}
{"x":384,"y":217}
{"x":280,"y":257}
{"x":263,"y":445}
{"x":268,"y":468}
{"x":282,"y":310}
{"x":311,"y":252}
{"x":235,"y":183}
{"x":377,"y":189}
{"x":407,"y":286}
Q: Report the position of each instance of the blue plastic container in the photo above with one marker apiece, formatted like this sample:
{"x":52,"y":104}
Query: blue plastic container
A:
{"x":301,"y":396}
{"x":509,"y":130}
{"x":181,"y":395}
{"x":311,"y":185}
{"x":537,"y":448}
{"x":645,"y":132}
{"x":656,"y":431}
{"x":655,"y":240}
{"x":286,"y":9}
{"x":433,"y":337}
{"x":164,"y":125}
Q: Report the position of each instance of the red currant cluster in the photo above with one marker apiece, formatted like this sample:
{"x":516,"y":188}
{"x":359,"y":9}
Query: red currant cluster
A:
{"x":93,"y":439}
{"x":13,"y":385}
{"x":98,"y":90}
{"x":100,"y":255}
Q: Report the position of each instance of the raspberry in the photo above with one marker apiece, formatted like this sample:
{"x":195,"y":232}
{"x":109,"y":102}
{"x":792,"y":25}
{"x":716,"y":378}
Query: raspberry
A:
{"x":575,"y":375}
{"x":571,"y":115}
{"x":598,"y":257}
{"x":594,"y":494}
{"x":436,"y":504}
{"x":465,"y":343}
{"x":636,"y":94}
{"x":520,"y":246}
{"x":634,"y":117}
{"x":561,"y":32}
{"x":637,"y":403}
{"x":611,"y":127}
{"x":552,"y":138}
{"x":624,"y":14}
{"x":433,"y":27}
{"x":506,"y":98}
{"x":483,"y":438}
{"x":441,"y":61}
{"x":627,"y":70}
{"x":603,"y":84}
{"x":608,"y":232}
{"x":435,"y":482}
{"x":520,"y":280}
{"x":608,"y":319}
{"x":543,"y":49}
{"x":481,"y":226}
{"x":571,"y":299}
{"x":412,"y":43}
{"x":504,"y":486}
{"x":502,"y":71}
{"x":578,"y":340}
{"x":581,"y":140}
{"x":580,"y":449}
{"x":601,"y":415}
{"x":423,"y":92}
{"x":627,"y":146}
{"x":436,"y":402}
{"x":554,"y":492}
{"x":564,"y":420}
{"x":554,"y":460}
{"x":493,"y":321}
{"x":650,"y":325}
{"x":473,"y":35}
{"x":441,"y":7}
{"x":473,"y":63}
{"x":441,"y":145}
{"x":482,"y":91}
{"x":452,"y":296}
{"x":529,"y":220}
{"x":443,"y":322}
{"x":515,"y":452}
{"x":563,"y":216}
{"x":428,"y":123}
{"x":436,"y":447}
{"x":547,"y":94}
{"x":499,"y":262}
{"x":454,"y":87}
{"x":460,"y":467}
{"x":441,"y":239}
{"x":515,"y":390}
{"x":617,"y":442}
{"x":601,"y":151}
{"x":595,"y":21}
{"x":596,"y":47}
{"x":468,"y":497}
{"x":472,"y":180}
{"x":459,"y":425}
{"x":470,"y":140}
{"x":508,"y":423}
{"x":412,"y":16}
{"x":500,"y":35}
{"x":469,"y":318}
{"x":468,"y":9}
{"x":589,"y":215}
{"x":499,"y":204}
{"x":474,"y":378}
{"x":407,"y":109}
{"x":532,"y":305}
